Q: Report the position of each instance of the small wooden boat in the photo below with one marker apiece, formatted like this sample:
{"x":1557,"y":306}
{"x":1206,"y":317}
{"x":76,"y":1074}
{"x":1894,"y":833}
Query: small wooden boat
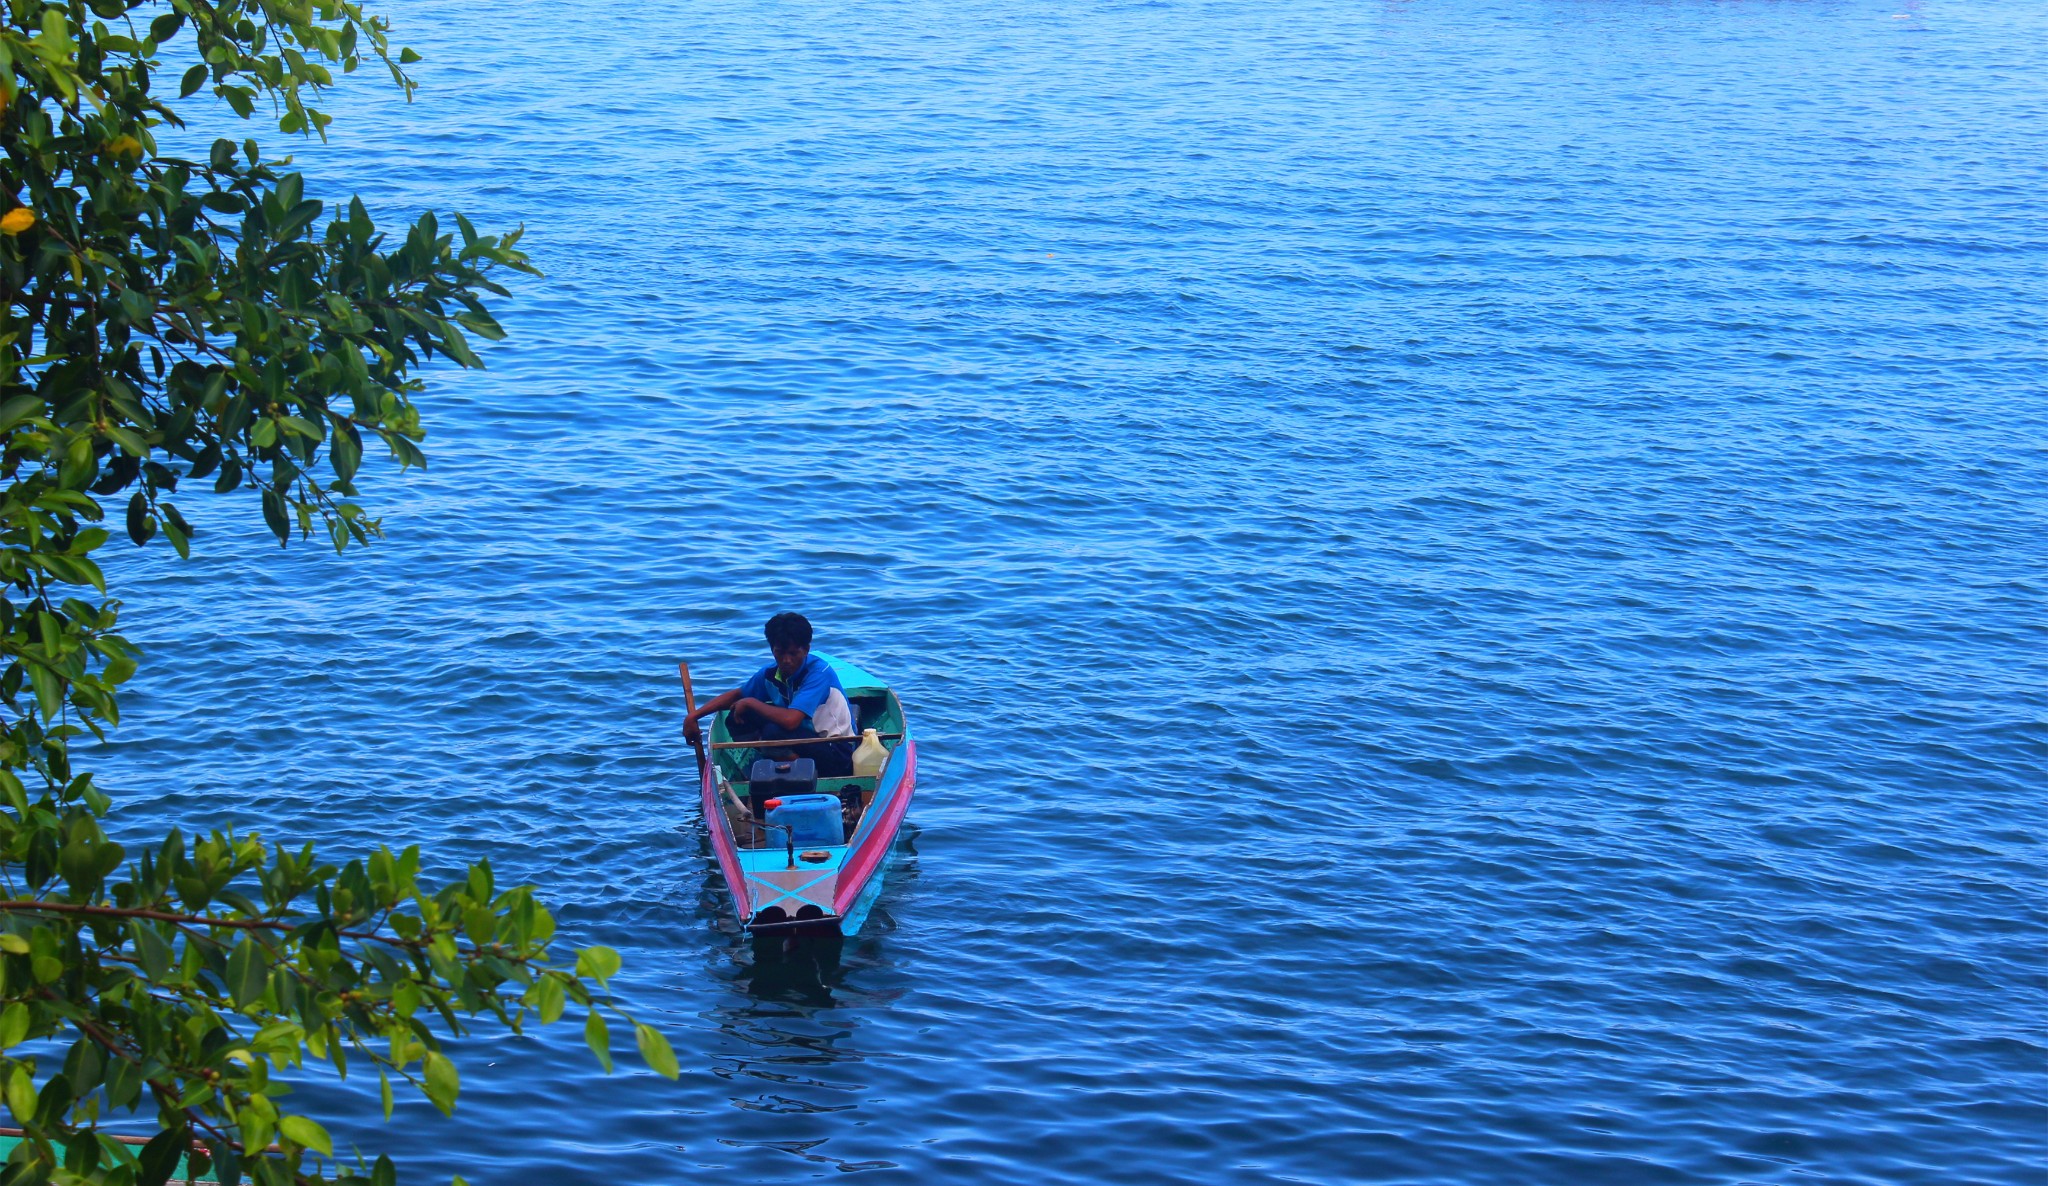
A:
{"x":779,"y":886}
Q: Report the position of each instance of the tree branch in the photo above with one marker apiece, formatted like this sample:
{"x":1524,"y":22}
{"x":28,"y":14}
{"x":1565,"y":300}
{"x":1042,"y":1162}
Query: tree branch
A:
{"x":247,"y":924}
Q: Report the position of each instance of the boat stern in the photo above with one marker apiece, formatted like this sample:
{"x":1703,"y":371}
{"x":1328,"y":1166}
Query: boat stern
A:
{"x":782,"y":898}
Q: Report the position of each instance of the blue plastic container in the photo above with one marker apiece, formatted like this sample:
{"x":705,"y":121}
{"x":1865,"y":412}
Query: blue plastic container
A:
{"x":813,"y":819}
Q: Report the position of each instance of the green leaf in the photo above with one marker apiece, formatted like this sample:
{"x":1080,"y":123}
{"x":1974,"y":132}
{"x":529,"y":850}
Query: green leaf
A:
{"x":18,"y":409}
{"x":303,"y":1131}
{"x":56,"y":41}
{"x":442,"y":1081}
{"x":141,"y":524}
{"x":345,"y":451}
{"x":456,"y":347}
{"x":49,"y":690}
{"x":85,"y":1067}
{"x":548,"y":998}
{"x":13,"y":1023}
{"x":201,"y":1092}
{"x":227,"y":1162}
{"x":178,"y":541}
{"x":297,"y":219}
{"x":408,"y":454}
{"x":160,"y":1156}
{"x":136,"y":306}
{"x":17,"y":797}
{"x":91,"y":572}
{"x":247,"y":974}
{"x":193,"y":80}
{"x":483,"y":325}
{"x":77,"y":862}
{"x":255,"y":1123}
{"x":150,"y":947}
{"x":598,"y":963}
{"x":599,"y":1039}
{"x":656,"y":1050}
{"x":124,"y":1083}
{"x":274,"y":513}
{"x":21,"y":1094}
{"x":131,"y":443}
{"x":53,"y":1100}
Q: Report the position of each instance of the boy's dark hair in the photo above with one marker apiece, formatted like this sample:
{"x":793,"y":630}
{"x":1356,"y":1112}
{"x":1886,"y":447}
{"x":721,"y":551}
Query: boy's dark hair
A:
{"x":788,"y":630}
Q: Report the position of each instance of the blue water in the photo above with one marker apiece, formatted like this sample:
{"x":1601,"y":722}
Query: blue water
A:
{"x":1471,"y":575}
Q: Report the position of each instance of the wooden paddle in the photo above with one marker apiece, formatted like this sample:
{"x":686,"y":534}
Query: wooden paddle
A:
{"x":690,"y":703}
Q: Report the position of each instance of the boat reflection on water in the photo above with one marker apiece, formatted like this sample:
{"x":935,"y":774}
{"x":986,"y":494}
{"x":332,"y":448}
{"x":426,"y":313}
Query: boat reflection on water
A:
{"x":801,"y":967}
{"x":796,"y":1045}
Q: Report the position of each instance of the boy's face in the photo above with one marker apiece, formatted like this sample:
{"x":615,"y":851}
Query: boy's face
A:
{"x":788,"y":659}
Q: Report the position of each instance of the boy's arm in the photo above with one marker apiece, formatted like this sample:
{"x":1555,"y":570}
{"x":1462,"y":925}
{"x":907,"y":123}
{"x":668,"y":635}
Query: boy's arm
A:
{"x":719,"y":703}
{"x":808,"y":699}
{"x":786,"y":718}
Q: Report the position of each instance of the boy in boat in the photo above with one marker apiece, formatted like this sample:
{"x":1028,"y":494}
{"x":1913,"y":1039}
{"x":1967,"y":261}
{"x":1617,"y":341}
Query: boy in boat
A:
{"x":795,"y":696}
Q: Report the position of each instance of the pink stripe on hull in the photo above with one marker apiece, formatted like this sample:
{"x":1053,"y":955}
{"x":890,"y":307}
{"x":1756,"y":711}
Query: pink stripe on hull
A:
{"x":854,"y":874}
{"x":721,"y":843}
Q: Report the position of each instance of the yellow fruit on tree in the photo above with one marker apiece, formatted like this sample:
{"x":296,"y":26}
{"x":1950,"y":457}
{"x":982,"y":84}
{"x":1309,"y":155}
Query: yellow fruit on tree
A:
{"x":17,"y":220}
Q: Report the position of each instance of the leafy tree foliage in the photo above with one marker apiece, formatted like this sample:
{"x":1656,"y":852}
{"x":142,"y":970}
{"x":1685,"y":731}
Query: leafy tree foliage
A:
{"x":165,"y":323}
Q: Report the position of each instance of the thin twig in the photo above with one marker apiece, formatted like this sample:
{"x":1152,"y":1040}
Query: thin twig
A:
{"x":251,"y":924}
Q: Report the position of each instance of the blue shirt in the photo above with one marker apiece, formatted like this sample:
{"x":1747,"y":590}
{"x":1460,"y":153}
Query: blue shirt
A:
{"x":806,"y":692}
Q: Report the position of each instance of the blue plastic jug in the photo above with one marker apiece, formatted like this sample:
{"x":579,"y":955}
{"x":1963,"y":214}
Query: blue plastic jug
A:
{"x":812,"y":819}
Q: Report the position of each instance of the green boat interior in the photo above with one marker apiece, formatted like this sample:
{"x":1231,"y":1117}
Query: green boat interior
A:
{"x":874,"y":708}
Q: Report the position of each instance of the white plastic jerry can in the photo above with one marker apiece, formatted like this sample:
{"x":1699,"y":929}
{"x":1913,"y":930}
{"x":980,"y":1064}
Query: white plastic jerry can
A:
{"x":869,"y":756}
